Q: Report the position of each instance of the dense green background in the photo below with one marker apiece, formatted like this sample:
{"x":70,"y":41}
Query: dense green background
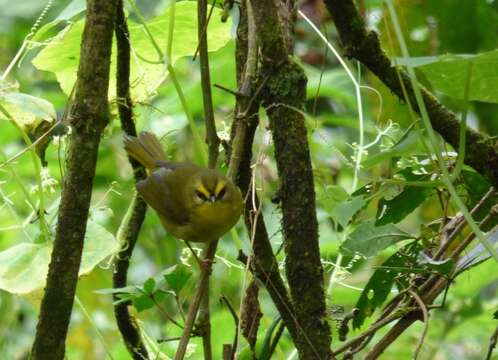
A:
{"x":431,"y":28}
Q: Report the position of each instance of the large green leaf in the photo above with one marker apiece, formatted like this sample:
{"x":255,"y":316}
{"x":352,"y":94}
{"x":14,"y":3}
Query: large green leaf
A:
{"x":24,"y":267}
{"x":368,"y":239}
{"x":28,"y":111}
{"x":448,"y":74}
{"x":61,"y":55}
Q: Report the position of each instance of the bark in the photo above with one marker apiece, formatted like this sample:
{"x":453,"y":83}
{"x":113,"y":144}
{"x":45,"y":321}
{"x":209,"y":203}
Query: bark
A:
{"x":283,"y":97}
{"x":89,"y":116}
{"x":264,"y":264}
{"x":127,"y":324}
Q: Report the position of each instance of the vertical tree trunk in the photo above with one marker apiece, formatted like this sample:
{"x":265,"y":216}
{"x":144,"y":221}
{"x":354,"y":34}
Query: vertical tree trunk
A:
{"x":89,"y":116}
{"x":283,"y":96}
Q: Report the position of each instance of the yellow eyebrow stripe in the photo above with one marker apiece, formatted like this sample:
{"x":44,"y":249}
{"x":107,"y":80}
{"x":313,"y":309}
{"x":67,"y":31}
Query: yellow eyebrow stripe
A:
{"x":219,"y":186}
{"x":203,"y":190}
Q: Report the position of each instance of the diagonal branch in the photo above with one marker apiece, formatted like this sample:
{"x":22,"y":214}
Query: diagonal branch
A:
{"x":481,"y":152}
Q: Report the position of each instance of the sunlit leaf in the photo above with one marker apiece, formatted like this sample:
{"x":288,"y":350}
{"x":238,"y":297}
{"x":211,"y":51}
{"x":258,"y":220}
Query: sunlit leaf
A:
{"x":24,"y":267}
{"x":61,"y":56}
{"x":27,"y":111}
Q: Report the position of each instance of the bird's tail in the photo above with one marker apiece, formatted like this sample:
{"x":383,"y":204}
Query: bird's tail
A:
{"x":146,"y":149}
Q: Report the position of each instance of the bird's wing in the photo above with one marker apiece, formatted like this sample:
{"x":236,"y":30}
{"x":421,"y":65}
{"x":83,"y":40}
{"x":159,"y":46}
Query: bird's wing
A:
{"x":156,"y":192}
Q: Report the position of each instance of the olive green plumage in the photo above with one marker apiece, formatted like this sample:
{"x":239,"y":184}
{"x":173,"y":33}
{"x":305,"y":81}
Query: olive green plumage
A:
{"x":193,"y":203}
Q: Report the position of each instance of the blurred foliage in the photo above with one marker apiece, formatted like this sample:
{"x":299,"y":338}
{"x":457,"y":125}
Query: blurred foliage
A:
{"x":395,"y":150}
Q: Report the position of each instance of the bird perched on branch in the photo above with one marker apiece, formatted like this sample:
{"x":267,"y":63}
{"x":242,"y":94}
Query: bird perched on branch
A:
{"x":194,"y":203}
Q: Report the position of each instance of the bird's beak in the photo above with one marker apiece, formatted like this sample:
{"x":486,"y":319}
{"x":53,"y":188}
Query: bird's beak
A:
{"x":212,"y":198}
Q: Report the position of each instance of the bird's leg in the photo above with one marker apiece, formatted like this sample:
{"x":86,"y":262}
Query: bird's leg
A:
{"x":205,"y":264}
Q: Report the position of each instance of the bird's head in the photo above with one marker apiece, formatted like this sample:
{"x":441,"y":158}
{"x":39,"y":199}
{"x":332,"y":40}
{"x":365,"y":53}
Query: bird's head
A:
{"x":212,"y":188}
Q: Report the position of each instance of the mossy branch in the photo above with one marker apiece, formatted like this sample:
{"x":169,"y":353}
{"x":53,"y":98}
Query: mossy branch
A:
{"x":363,"y":45}
{"x":131,"y":226}
{"x":263,"y":265}
{"x":89,"y":117}
{"x":283,"y":97}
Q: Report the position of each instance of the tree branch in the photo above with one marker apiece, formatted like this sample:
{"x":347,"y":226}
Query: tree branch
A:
{"x":283,"y":96}
{"x":263,"y":265}
{"x":481,"y":152}
{"x":131,"y":226}
{"x":213,"y":143}
{"x":89,"y":117}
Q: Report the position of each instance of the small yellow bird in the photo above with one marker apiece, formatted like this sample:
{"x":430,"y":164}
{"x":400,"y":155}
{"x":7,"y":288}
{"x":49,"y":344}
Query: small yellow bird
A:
{"x":193,"y":203}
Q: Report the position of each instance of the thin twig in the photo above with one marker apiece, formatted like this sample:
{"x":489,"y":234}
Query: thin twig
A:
{"x":426,"y":322}
{"x":370,"y":331}
{"x":202,"y":295}
{"x":462,"y":223}
{"x":208,"y":254}
{"x":236,"y":320}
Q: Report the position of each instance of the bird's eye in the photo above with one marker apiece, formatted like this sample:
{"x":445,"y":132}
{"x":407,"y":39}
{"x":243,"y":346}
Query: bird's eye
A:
{"x":200,"y":195}
{"x":221,"y":194}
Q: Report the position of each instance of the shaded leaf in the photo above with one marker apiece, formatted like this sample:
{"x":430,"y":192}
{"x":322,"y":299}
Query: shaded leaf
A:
{"x":345,"y":211}
{"x":380,"y":284}
{"x":149,"y":286}
{"x":368,"y":239}
{"x":265,"y":352}
{"x":339,"y":205}
{"x":394,"y":210}
{"x":177,"y":276}
{"x":448,"y":74}
{"x":143,"y":302}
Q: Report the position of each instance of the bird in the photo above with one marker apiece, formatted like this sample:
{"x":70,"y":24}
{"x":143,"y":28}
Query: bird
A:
{"x":194,"y":203}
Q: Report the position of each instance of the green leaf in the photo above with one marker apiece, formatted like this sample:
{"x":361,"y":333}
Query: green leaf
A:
{"x":177,"y":277}
{"x":28,"y":111}
{"x":265,"y":353}
{"x":143,"y":302}
{"x":61,"y":55}
{"x":24,"y":267}
{"x":345,"y":211}
{"x":448,"y":74}
{"x":368,"y":239}
{"x":380,"y":284}
{"x":339,"y":205}
{"x":149,"y":286}
{"x":74,"y":8}
{"x":394,"y":210}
